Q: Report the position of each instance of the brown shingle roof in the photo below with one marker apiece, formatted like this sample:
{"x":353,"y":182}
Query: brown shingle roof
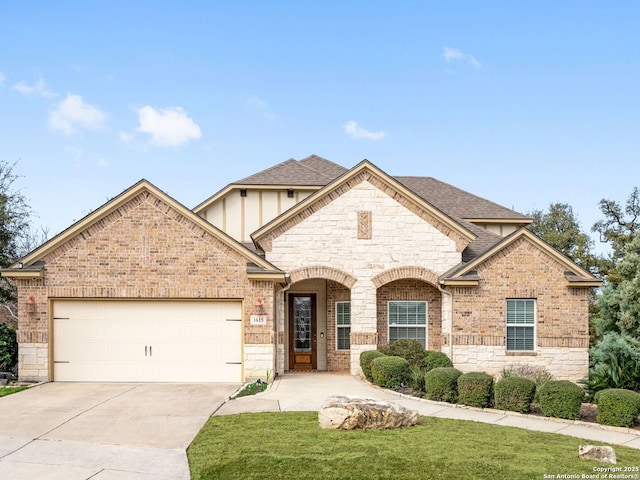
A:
{"x":462,"y":205}
{"x":324,"y":166}
{"x":456,"y":202}
{"x":313,"y":170}
{"x":452,"y":201}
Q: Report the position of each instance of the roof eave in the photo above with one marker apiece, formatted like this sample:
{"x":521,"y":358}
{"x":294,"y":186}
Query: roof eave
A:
{"x":23,"y":273}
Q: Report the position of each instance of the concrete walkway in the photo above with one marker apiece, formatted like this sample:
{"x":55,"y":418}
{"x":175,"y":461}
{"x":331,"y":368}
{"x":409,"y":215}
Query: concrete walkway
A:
{"x":307,"y":391}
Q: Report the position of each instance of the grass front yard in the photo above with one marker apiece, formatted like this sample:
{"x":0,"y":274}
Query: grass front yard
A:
{"x":4,"y":391}
{"x":290,"y":445}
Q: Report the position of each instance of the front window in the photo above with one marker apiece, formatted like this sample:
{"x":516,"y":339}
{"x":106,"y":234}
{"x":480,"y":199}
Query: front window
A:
{"x":521,"y":319}
{"x":343,"y":325}
{"x":408,"y":320}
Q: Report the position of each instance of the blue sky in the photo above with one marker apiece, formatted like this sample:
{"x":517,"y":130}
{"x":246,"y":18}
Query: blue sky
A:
{"x":523,"y":103}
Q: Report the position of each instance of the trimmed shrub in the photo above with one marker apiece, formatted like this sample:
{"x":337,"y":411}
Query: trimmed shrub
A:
{"x":561,"y":399}
{"x":433,"y":359}
{"x":417,"y":382}
{"x":411,"y":350}
{"x":514,"y":394}
{"x":365,"y":362}
{"x":441,"y":384}
{"x":8,"y":348}
{"x":618,"y":407}
{"x":475,"y":389}
{"x":390,"y":371}
{"x":538,"y":374}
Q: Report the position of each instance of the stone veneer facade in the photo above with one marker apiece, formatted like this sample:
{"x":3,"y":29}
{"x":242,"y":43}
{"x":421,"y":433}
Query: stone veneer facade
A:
{"x":331,"y":237}
{"x":143,"y":249}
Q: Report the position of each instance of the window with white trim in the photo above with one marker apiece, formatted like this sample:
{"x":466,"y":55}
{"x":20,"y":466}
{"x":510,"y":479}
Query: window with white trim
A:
{"x":408,"y":320}
{"x":521,"y":321}
{"x":343,"y":325}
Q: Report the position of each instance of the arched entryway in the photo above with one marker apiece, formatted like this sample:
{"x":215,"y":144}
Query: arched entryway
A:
{"x":315,"y":320}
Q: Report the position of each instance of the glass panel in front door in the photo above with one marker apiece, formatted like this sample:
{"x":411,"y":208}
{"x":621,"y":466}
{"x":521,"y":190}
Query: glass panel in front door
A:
{"x":302,"y":324}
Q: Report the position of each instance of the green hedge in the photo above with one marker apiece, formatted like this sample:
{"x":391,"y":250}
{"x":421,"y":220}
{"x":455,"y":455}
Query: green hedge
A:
{"x":365,"y":362}
{"x":618,"y":407}
{"x":514,"y":394}
{"x":8,"y":348}
{"x":390,"y":371}
{"x":442,"y":384}
{"x":411,"y":350}
{"x":433,"y":359}
{"x":475,"y":389}
{"x":560,"y":399}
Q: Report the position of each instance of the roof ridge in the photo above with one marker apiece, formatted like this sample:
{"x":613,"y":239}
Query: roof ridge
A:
{"x":261,"y":172}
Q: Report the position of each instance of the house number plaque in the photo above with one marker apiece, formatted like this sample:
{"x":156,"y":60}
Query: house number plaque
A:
{"x":258,"y":319}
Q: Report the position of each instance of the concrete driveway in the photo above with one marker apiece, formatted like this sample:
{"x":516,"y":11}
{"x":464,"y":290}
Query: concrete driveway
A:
{"x":104,"y":431}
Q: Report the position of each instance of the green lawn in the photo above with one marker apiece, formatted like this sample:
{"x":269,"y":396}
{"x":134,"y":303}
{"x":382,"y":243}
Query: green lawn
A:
{"x":4,"y":391}
{"x":290,"y":445}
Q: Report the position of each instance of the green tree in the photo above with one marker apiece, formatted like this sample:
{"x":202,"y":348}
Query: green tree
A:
{"x":560,"y":228}
{"x":15,"y":230}
{"x":620,"y":302}
{"x":615,"y":358}
{"x":618,"y":228}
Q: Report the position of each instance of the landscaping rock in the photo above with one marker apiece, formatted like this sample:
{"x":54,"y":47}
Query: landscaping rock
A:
{"x":597,"y":453}
{"x":348,"y":413}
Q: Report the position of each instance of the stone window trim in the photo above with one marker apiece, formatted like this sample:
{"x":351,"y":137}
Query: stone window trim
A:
{"x":521,"y":353}
{"x":343,"y":324}
{"x":520,"y":319}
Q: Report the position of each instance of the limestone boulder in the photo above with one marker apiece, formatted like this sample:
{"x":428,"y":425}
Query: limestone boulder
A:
{"x":597,"y":453}
{"x":350,"y":412}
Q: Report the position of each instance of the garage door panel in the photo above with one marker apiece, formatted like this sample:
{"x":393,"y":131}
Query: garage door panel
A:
{"x":147,"y":341}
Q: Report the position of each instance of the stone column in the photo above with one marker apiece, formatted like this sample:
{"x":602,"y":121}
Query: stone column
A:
{"x":364,"y":328}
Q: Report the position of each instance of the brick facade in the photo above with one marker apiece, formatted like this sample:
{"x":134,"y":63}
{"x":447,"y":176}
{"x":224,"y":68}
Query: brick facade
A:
{"x":364,"y":239}
{"x":410,"y":289}
{"x":521,"y":270}
{"x":143,"y":249}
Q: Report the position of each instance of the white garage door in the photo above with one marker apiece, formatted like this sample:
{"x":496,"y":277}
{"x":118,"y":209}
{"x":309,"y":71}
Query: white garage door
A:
{"x":147,"y":341}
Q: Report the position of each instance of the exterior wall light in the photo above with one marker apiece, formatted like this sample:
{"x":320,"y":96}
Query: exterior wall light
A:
{"x":258,"y":307}
{"x":31,"y":304}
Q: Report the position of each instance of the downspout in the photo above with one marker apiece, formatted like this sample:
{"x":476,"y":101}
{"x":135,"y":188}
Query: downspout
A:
{"x":282,"y":291}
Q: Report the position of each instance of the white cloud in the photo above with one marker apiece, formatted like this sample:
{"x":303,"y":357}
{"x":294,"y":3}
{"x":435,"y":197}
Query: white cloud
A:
{"x":101,"y":162}
{"x":453,"y":54}
{"x":352,"y":129}
{"x":73,"y":114}
{"x":2,"y":79}
{"x":39,"y":88}
{"x":126,"y":137}
{"x":259,"y":105}
{"x":169,"y":127}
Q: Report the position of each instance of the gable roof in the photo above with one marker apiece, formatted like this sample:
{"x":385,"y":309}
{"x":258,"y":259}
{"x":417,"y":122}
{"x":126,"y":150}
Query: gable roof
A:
{"x":31,"y":261}
{"x":311,"y":172}
{"x":371,"y":172}
{"x":466,"y":208}
{"x":465,"y":274}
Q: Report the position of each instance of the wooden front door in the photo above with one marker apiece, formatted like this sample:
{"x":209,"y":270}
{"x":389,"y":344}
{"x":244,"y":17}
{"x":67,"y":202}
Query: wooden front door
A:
{"x":302,"y":331}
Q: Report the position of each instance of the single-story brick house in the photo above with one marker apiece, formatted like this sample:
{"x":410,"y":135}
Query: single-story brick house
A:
{"x":302,"y":266}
